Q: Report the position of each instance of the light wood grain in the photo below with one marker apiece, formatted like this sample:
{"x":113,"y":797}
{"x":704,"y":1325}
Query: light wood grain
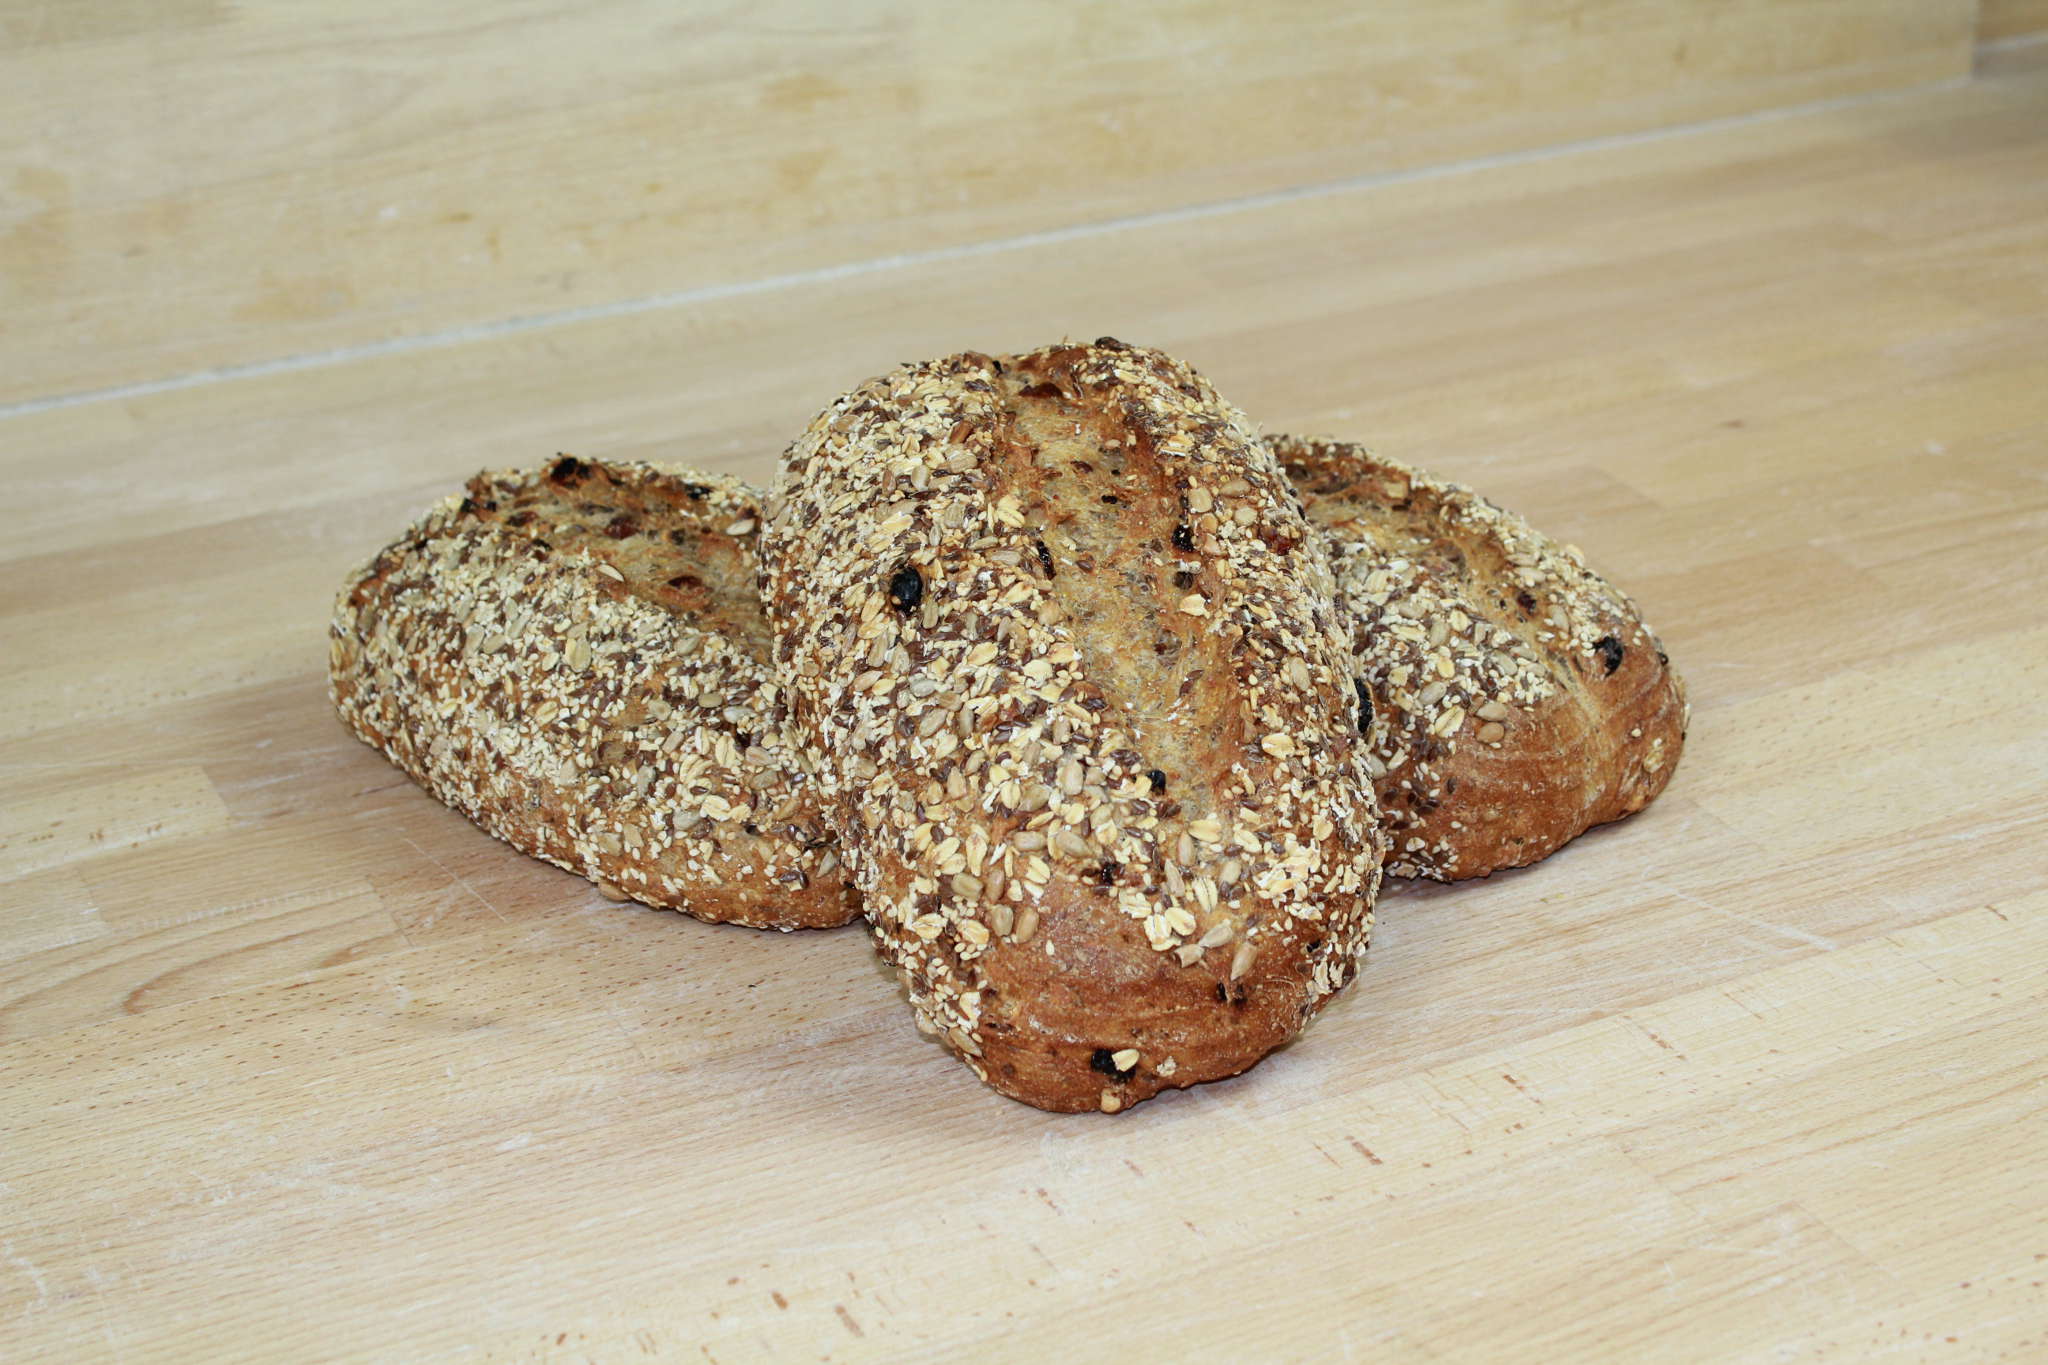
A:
{"x":302,"y":1066}
{"x":193,"y":184}
{"x":2000,"y":20}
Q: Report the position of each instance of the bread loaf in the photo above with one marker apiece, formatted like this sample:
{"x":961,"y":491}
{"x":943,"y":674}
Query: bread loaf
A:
{"x":1530,"y":740}
{"x":576,"y":659}
{"x":1084,"y":715}
{"x":1517,"y":698}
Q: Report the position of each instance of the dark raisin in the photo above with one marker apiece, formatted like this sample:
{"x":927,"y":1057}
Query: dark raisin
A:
{"x":568,"y":469}
{"x":1525,"y":602}
{"x":1610,"y":651}
{"x":468,"y":506}
{"x":1044,"y":556}
{"x":697,"y":490}
{"x":1111,"y":344}
{"x":1158,"y":781}
{"x":1183,"y":578}
{"x":1103,"y":1060}
{"x":1183,"y":539}
{"x":751,"y":828}
{"x":1112,"y":499}
{"x":906,"y":589}
{"x":621,"y":526}
{"x":1364,"y":706}
{"x":1107,"y":873}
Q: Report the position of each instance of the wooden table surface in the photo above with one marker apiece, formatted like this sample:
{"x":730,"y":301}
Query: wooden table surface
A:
{"x":299,"y":1065}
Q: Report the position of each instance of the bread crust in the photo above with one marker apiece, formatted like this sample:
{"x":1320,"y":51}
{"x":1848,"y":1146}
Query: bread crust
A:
{"x":1084,"y":716}
{"x":1518,"y":698}
{"x":576,"y":659}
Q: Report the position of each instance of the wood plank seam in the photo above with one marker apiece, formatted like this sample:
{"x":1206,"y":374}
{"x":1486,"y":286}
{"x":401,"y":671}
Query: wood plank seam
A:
{"x":800,"y":279}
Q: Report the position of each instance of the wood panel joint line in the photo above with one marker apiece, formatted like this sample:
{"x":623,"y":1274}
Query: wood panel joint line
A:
{"x":683,"y":298}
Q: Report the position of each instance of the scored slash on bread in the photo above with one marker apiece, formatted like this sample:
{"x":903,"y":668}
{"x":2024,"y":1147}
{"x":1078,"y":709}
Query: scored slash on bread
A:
{"x":576,"y":659}
{"x":1516,"y":698}
{"x":1083,"y":716}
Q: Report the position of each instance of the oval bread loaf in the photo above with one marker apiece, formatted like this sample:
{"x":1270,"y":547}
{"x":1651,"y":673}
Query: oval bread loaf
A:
{"x":1084,"y":716}
{"x":1517,"y":697}
{"x":576,"y":659}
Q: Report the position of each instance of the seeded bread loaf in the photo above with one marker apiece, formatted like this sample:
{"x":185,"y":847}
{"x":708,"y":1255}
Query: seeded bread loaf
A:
{"x":1084,"y":716}
{"x":577,"y":660}
{"x":1517,"y":698}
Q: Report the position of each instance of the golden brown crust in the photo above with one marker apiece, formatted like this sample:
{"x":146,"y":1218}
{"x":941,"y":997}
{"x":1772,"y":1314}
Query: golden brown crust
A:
{"x":1084,"y":713}
{"x":1518,"y":698}
{"x":576,"y":659}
